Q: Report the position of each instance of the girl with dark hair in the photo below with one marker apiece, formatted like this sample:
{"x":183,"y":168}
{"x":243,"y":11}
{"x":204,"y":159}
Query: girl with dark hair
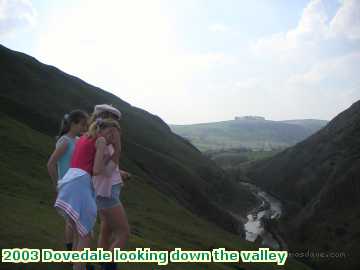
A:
{"x":76,"y":120}
{"x":72,"y":125}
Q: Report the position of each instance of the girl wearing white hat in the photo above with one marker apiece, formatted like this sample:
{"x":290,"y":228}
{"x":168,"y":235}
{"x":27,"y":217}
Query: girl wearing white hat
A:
{"x":114,"y":226}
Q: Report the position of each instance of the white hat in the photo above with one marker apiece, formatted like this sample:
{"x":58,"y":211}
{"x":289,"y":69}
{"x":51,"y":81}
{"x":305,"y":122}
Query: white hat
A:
{"x":106,"y":108}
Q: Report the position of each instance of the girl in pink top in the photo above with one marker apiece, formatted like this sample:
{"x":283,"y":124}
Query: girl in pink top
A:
{"x":114,"y":226}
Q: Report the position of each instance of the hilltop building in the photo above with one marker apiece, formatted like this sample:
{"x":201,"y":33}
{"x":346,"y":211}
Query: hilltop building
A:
{"x":249,"y":117}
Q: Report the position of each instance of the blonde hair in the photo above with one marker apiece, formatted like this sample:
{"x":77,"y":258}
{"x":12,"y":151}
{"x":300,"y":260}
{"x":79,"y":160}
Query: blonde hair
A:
{"x":105,"y":114}
{"x":101,"y":124}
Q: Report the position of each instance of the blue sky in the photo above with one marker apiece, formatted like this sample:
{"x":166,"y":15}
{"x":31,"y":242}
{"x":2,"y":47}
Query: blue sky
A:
{"x":200,"y":61}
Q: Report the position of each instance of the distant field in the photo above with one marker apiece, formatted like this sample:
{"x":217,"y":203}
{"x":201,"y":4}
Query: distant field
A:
{"x":233,"y":158}
{"x":255,"y":134}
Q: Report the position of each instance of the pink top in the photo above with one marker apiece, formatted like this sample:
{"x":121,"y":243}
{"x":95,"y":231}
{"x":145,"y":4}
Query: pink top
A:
{"x":111,"y":176}
{"x":84,"y":154}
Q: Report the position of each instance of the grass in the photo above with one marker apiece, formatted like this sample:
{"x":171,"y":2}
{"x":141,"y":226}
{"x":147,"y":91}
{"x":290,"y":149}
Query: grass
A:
{"x":157,"y":221}
{"x":176,"y":189}
{"x":235,"y":158}
{"x":176,"y":167}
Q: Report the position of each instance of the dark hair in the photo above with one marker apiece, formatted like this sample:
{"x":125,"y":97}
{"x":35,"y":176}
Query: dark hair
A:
{"x":74,"y":117}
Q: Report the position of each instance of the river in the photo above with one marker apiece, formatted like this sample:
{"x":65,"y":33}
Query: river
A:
{"x":269,"y":209}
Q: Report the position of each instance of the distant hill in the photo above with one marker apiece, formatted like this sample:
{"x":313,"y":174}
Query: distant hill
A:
{"x":250,"y":131}
{"x":312,"y":125}
{"x":318,"y":179}
{"x":177,"y":198}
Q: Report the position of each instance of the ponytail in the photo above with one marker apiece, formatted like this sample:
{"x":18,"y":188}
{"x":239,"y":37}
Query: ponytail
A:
{"x":74,"y":117}
{"x":65,"y":126}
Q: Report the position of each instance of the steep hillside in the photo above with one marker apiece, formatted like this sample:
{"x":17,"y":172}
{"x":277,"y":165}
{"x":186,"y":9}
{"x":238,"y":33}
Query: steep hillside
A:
{"x":173,"y":187}
{"x":319,"y":181}
{"x":39,"y":95}
{"x":250,"y":133}
{"x":29,"y":219}
{"x":312,"y":125}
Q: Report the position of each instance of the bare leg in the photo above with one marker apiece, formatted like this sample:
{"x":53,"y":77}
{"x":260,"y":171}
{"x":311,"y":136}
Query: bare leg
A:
{"x":76,"y":236}
{"x":105,"y":231}
{"x":75,"y":240}
{"x":69,"y":234}
{"x":115,"y":221}
{"x":83,"y":242}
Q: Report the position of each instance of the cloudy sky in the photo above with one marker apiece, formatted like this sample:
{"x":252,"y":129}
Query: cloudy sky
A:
{"x":192,"y":61}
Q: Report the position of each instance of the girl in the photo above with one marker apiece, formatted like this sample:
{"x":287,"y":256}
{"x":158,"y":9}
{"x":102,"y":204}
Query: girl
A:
{"x":114,"y":226}
{"x":72,"y":125}
{"x":76,"y":199}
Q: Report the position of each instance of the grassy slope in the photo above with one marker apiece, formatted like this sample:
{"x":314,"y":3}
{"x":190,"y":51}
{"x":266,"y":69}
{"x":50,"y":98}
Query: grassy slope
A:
{"x":29,"y":220}
{"x":319,"y":181}
{"x":176,"y":167}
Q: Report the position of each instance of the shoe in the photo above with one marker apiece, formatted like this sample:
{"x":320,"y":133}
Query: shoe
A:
{"x":89,"y":266}
{"x":110,"y":266}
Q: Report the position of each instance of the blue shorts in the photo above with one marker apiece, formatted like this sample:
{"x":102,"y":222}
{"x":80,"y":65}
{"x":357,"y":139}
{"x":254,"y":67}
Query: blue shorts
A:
{"x":114,"y":200}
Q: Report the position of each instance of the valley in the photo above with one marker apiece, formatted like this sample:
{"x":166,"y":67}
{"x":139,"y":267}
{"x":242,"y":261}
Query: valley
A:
{"x":173,"y":181}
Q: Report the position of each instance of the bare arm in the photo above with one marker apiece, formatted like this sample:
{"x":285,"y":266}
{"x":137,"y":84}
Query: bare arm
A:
{"x":99,"y":163}
{"x":54,"y":158}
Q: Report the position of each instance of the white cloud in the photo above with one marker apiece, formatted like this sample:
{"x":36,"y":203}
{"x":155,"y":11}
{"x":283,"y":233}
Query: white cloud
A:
{"x":313,"y":28}
{"x":248,"y":83}
{"x":15,"y":14}
{"x":312,"y":69}
{"x":305,"y":55}
{"x":341,"y":69}
{"x":147,"y":56}
{"x":218,"y":27}
{"x":130,"y":49}
{"x":346,"y":22}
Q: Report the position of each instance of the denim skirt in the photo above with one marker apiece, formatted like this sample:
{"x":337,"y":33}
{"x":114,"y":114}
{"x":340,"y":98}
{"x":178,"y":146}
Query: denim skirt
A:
{"x":112,"y":201}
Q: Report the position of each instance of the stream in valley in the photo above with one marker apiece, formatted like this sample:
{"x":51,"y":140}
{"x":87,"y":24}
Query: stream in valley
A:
{"x":270,"y":209}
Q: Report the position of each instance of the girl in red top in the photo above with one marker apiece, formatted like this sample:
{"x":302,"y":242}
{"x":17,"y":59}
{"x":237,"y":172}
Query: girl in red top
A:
{"x":76,"y":198}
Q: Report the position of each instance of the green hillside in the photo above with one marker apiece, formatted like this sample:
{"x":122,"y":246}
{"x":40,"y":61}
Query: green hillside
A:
{"x":318,"y":179}
{"x":254,"y":133}
{"x":177,"y":198}
{"x":175,"y":166}
{"x":26,"y":199}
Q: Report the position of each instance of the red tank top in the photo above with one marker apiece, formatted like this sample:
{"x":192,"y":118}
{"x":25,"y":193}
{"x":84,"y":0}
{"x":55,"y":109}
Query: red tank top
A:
{"x":84,"y":154}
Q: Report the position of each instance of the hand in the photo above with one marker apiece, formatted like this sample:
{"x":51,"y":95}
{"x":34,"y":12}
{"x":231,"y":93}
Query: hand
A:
{"x":100,"y":142}
{"x":115,"y":139}
{"x":125,"y":175}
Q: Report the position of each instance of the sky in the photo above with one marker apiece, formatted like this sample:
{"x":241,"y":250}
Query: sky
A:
{"x":195,"y":61}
